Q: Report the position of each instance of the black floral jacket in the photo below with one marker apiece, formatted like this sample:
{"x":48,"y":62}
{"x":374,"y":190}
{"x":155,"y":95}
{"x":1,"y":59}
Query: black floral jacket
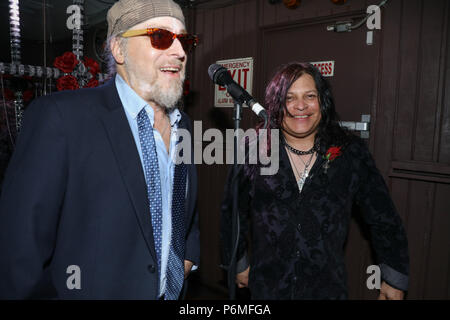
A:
{"x":297,"y":240}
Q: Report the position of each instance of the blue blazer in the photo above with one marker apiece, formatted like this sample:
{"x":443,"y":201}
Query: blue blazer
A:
{"x":75,"y":195}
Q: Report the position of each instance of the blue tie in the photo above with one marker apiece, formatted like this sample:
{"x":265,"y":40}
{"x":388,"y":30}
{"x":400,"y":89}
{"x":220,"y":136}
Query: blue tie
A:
{"x":175,"y":265}
{"x":151,"y":171}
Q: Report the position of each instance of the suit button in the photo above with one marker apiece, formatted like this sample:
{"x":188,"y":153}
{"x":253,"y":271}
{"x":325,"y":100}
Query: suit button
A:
{"x":297,"y":253}
{"x":151,"y":268}
{"x":299,"y":227}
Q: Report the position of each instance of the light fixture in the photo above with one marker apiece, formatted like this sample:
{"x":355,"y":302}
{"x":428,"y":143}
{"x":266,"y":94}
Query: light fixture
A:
{"x":347,"y":26}
{"x":339,"y":1}
{"x":291,"y":4}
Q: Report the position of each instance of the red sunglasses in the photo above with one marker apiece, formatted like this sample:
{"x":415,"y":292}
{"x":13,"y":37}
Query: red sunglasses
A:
{"x":162,"y":39}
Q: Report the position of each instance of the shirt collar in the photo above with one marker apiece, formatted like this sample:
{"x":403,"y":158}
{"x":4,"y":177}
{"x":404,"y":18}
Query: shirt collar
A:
{"x":133,"y":103}
{"x":174,"y":117}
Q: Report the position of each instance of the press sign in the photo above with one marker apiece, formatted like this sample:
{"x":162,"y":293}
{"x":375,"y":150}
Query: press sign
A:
{"x":241,"y":70}
{"x":326,"y":68}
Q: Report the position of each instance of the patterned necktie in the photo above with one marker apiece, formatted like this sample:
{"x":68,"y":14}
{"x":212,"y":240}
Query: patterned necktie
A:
{"x":151,"y":171}
{"x":175,"y":265}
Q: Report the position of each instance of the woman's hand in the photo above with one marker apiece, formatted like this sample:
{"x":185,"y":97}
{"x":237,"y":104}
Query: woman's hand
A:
{"x":389,"y":293}
{"x":242,"y":278}
{"x":187,"y":268}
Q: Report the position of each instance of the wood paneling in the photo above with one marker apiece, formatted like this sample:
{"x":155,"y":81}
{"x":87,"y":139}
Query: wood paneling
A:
{"x":408,"y":79}
{"x":444,"y":129}
{"x":437,"y":275}
{"x":421,"y":77}
{"x":416,"y":94}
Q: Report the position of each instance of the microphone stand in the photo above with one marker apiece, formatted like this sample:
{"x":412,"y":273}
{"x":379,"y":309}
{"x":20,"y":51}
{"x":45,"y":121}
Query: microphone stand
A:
{"x":237,"y":112}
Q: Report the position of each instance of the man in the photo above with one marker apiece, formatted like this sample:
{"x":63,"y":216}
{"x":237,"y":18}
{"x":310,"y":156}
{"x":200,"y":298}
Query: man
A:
{"x":93,"y":205}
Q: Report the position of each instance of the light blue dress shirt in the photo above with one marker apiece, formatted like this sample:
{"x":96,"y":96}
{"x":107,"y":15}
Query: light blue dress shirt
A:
{"x":133,"y":104}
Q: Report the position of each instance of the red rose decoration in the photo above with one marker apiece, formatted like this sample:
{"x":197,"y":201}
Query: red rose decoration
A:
{"x":92,"y":83}
{"x":67,"y":83}
{"x":91,"y":65}
{"x":66,"y":63}
{"x":333,"y":153}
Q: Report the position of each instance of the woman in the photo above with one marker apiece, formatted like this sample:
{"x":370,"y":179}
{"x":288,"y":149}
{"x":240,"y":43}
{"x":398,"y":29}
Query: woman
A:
{"x":298,"y":219}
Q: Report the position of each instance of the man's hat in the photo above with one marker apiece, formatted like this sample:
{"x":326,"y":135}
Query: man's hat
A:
{"x":125,"y":14}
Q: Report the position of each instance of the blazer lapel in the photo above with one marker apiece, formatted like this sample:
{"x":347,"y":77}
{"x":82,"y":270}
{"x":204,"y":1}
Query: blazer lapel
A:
{"x":127,"y":157}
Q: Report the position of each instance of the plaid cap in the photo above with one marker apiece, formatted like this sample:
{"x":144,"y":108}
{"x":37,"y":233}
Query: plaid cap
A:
{"x":125,"y":14}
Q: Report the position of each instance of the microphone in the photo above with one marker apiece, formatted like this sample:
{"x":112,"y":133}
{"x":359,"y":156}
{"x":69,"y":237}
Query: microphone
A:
{"x":220,"y":75}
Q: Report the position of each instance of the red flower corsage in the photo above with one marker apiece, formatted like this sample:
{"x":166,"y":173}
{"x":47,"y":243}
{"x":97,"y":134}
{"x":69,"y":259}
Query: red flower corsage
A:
{"x":331,"y":154}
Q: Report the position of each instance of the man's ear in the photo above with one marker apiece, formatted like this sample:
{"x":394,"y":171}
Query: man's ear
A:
{"x":117,"y":51}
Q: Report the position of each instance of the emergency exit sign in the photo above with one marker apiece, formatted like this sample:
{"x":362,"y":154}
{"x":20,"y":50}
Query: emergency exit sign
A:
{"x":241,"y":70}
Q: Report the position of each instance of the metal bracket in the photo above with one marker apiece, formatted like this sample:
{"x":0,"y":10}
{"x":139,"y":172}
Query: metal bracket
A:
{"x":363,"y":126}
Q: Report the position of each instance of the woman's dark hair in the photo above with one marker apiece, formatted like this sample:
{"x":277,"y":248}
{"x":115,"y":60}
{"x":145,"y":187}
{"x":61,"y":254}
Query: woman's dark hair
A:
{"x":329,"y":131}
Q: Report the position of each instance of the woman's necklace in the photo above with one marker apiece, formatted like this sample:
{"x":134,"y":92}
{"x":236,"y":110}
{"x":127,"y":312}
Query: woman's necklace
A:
{"x":302,"y":177}
{"x":314,"y":148}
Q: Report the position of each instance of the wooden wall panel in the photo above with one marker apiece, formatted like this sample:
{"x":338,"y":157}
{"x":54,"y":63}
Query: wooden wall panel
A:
{"x":279,"y":14}
{"x":389,"y":84}
{"x":418,"y":230}
{"x":437,"y":277}
{"x":432,"y":31}
{"x":424,"y":30}
{"x":444,"y":129}
{"x":425,"y":208}
{"x":409,"y":79}
{"x":415,"y":90}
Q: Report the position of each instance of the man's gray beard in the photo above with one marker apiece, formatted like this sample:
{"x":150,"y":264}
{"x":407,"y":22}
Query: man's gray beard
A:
{"x":169,"y":98}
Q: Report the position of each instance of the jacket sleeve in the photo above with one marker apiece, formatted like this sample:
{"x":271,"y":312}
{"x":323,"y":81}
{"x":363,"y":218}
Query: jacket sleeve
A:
{"x":193,"y":242}
{"x":32,"y":195}
{"x":388,"y":236}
